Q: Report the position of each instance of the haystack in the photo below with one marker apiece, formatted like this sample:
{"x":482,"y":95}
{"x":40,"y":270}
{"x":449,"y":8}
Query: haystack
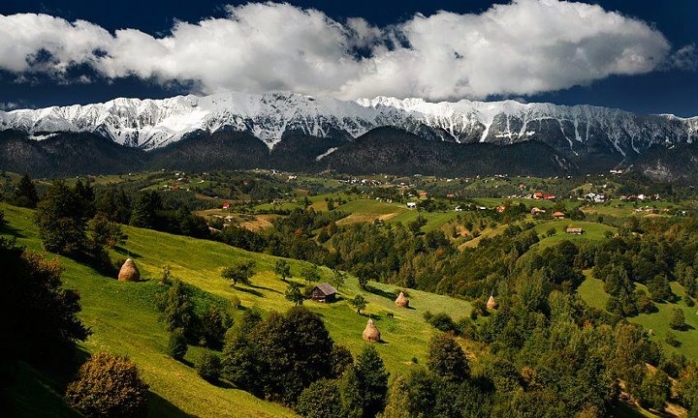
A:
{"x":491,"y":303}
{"x":129,"y":272}
{"x":371,"y":333}
{"x":402,"y":301}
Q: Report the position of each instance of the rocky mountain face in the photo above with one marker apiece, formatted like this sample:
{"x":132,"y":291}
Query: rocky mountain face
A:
{"x":311,"y":129}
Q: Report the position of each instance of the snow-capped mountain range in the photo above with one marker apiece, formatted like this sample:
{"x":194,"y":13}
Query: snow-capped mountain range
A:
{"x":152,"y":124}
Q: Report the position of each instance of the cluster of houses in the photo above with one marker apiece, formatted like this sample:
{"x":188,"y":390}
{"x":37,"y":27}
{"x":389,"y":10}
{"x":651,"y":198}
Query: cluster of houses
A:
{"x":596,"y":197}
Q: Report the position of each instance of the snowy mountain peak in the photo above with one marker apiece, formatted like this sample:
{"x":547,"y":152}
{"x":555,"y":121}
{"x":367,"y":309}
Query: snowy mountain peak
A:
{"x":150,"y":124}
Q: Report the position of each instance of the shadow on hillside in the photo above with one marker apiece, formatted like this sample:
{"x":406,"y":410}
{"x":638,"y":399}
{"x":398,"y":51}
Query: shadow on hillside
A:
{"x":381,"y":293}
{"x":161,"y":407}
{"x":125,"y":252}
{"x":686,"y":327}
{"x":10,"y":230}
{"x":250,"y":291}
{"x":268,"y":289}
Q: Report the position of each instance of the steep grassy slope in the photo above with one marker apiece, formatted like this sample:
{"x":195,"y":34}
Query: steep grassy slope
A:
{"x":124,"y":319}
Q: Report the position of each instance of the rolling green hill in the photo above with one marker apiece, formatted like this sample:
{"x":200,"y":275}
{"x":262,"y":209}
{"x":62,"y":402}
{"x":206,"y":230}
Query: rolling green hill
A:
{"x":124,"y":319}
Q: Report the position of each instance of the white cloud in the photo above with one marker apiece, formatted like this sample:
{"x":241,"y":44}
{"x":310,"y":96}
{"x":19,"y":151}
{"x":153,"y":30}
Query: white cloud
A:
{"x":685,"y":58}
{"x":518,"y":49}
{"x":7,"y":106}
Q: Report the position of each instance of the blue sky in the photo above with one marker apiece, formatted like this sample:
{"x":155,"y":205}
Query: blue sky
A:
{"x":639,"y":55}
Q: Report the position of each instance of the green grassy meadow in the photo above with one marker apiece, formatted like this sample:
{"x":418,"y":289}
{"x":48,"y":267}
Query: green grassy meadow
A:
{"x":592,"y":293}
{"x":124,"y":319}
{"x":592,"y":231}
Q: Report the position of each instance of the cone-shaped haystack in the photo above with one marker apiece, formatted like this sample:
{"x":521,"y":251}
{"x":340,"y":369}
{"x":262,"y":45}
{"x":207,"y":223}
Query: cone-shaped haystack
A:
{"x":402,"y":301}
{"x":371,"y":333}
{"x":129,"y":272}
{"x":491,"y":303}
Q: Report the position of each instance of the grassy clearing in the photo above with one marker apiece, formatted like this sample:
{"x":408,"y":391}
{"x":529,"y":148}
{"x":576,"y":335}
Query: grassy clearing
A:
{"x":592,"y":231}
{"x":592,"y":293}
{"x":658,"y":322}
{"x":124,"y":319}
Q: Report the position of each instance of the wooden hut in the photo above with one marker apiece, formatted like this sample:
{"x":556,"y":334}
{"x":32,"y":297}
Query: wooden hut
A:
{"x":371,"y":333}
{"x":129,"y":272}
{"x":324,"y":292}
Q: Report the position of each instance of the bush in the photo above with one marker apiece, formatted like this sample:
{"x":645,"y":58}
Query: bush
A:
{"x":322,"y":399}
{"x":109,"y":386}
{"x":678,"y":319}
{"x":443,"y":322}
{"x":235,"y":302}
{"x":209,"y":367}
{"x":671,"y":339}
{"x":177,"y":345}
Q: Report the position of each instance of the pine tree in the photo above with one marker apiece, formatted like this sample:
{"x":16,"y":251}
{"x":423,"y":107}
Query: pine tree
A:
{"x":62,"y":222}
{"x":177,"y":344}
{"x":373,"y":381}
{"x":179,"y":310}
{"x":25,"y":195}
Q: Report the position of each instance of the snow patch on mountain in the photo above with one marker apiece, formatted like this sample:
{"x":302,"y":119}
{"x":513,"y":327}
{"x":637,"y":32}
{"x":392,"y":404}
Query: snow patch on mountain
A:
{"x":151,"y":124}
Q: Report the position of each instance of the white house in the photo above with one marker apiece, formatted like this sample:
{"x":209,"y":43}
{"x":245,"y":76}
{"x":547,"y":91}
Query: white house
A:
{"x":412,"y":205}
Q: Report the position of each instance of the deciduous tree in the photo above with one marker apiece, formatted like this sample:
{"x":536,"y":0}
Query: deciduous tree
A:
{"x":282,"y":269}
{"x":240,"y":272}
{"x":359,"y":302}
{"x":109,"y":387}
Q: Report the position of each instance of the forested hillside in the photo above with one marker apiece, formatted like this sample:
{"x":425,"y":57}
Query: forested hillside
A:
{"x":509,"y":313}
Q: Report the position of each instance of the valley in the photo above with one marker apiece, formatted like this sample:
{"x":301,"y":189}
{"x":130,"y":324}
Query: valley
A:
{"x":463,"y":240}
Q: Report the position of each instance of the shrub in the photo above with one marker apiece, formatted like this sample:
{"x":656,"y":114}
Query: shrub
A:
{"x":671,"y":339}
{"x":209,"y":367}
{"x":235,"y":302}
{"x":322,"y":399}
{"x":443,"y":322}
{"x":678,"y":319}
{"x":109,"y":386}
{"x":177,"y":345}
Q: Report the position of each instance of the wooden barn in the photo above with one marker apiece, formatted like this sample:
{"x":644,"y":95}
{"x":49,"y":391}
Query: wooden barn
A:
{"x":324,"y":292}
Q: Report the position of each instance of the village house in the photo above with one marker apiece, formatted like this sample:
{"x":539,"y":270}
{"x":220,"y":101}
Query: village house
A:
{"x":596,"y":198}
{"x":559,"y":215}
{"x":411,"y":205}
{"x":324,"y":292}
{"x":574,"y":231}
{"x":537,"y":211}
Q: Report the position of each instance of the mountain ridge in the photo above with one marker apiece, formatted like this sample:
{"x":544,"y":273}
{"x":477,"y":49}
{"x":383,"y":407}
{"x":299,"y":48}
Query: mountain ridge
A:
{"x":151,"y":124}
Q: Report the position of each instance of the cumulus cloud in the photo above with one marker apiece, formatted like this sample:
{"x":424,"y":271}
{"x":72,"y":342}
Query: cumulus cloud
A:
{"x":518,"y":49}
